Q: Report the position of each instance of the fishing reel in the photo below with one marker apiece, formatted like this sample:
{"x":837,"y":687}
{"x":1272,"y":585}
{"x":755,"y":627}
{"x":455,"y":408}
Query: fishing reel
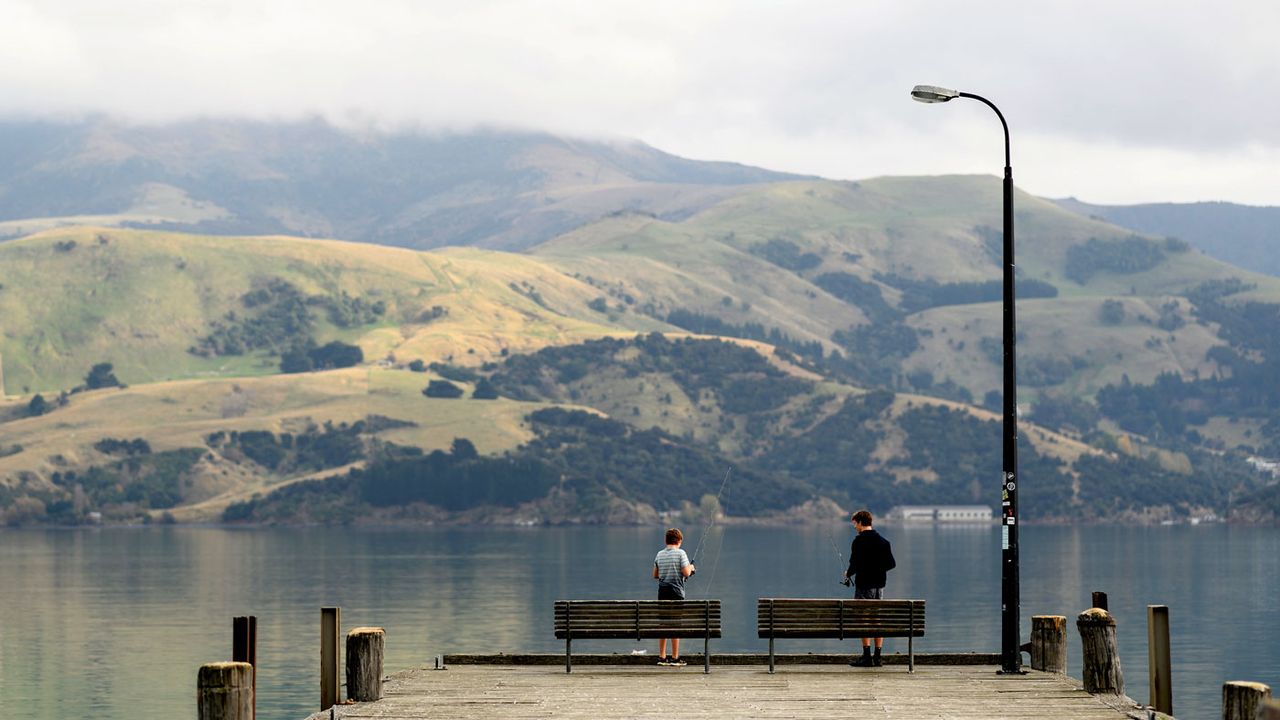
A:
{"x":846,"y":582}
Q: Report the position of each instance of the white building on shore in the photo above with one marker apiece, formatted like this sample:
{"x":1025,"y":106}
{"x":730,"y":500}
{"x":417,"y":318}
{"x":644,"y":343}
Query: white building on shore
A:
{"x":941,"y":514}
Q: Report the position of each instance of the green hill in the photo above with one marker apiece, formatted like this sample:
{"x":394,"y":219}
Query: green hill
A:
{"x":874,"y":306}
{"x":777,"y":256}
{"x":141,"y":300}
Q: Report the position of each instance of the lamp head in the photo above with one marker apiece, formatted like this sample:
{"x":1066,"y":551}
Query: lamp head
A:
{"x":933,"y":94}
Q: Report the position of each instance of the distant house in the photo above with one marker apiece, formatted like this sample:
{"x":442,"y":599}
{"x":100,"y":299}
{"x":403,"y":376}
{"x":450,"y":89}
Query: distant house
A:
{"x":1262,"y":465}
{"x":941,"y":514}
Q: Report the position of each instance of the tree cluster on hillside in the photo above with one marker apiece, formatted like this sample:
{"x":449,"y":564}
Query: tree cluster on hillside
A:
{"x":873,"y":353}
{"x":306,"y":356}
{"x":787,"y":255}
{"x":317,"y":447}
{"x":140,"y":481}
{"x":922,"y":294}
{"x":1122,"y":257}
{"x":277,"y":316}
{"x":863,"y":295}
{"x":710,"y":325}
{"x":741,"y":378}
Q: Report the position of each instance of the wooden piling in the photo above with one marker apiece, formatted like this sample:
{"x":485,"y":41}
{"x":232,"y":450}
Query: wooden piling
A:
{"x":1049,"y":643}
{"x":1243,"y":700}
{"x":330,"y":624}
{"x":244,"y":648}
{"x":224,"y":691}
{"x":1159,"y":667}
{"x":365,"y":650}
{"x":1101,"y":673}
{"x":1099,"y":600}
{"x":1269,"y":710}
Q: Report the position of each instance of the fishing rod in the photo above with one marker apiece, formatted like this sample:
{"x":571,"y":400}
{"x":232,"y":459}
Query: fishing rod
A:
{"x":831,"y":538}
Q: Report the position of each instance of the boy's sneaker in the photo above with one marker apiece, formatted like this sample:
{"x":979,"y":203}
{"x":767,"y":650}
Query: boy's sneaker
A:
{"x":863,"y":661}
{"x":677,"y":662}
{"x":664,"y":661}
{"x":876,"y":661}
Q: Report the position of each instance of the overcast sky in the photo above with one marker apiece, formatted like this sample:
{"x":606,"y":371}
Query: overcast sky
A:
{"x":1111,"y":101}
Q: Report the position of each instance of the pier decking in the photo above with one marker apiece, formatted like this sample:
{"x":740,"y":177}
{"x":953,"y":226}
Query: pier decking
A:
{"x":744,"y":691}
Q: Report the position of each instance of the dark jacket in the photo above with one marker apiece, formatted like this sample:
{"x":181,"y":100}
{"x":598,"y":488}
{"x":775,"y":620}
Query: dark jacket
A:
{"x":870,"y":559}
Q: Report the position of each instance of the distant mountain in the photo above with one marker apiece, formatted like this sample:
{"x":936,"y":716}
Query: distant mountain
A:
{"x":412,"y":189}
{"x":1243,"y":235}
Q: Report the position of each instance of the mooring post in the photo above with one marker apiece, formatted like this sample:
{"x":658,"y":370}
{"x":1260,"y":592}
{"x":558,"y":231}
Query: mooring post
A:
{"x":1243,"y":700}
{"x":1101,"y":672}
{"x":244,"y":648}
{"x":1099,"y":600}
{"x":365,"y":649}
{"x":224,"y":691}
{"x":1159,"y":669}
{"x":1049,"y":643}
{"x":330,"y":622}
{"x":1269,"y":710}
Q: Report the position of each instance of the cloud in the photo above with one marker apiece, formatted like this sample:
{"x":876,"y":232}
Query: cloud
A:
{"x":807,"y":86}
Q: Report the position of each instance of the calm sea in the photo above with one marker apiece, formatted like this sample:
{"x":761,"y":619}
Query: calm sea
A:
{"x":113,"y":623}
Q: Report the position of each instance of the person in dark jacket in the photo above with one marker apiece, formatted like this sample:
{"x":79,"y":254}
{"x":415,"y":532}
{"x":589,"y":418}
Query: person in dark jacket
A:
{"x":870,"y":560}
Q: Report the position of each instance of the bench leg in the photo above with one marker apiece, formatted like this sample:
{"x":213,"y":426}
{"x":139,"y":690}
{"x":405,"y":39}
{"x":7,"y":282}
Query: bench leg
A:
{"x":568,"y":655}
{"x":706,"y":656}
{"x":770,"y":656}
{"x":911,"y":655}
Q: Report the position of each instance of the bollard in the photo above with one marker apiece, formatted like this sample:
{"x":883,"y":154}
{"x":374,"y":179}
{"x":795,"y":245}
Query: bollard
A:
{"x":1269,"y":710}
{"x":365,"y":650}
{"x":1242,"y":700}
{"x":224,"y":691}
{"x":244,"y":648}
{"x":330,"y":622}
{"x":1049,"y":643}
{"x":1159,"y":668}
{"x":1101,"y":674}
{"x":1099,"y":600}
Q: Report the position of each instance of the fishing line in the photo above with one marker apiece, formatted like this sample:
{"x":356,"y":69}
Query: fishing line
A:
{"x":715,"y":514}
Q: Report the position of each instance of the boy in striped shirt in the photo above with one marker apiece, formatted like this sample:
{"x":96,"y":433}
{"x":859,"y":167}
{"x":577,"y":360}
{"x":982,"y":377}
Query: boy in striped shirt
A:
{"x":671,"y":567}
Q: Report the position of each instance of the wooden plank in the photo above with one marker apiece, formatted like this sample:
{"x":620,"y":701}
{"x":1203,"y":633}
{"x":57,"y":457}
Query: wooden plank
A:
{"x":944,"y":692}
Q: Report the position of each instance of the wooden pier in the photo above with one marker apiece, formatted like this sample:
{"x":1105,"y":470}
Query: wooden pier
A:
{"x":731,"y":691}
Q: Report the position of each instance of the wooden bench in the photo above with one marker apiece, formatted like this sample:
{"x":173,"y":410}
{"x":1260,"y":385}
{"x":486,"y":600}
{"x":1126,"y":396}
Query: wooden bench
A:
{"x":639,"y":619}
{"x":837,"y":618}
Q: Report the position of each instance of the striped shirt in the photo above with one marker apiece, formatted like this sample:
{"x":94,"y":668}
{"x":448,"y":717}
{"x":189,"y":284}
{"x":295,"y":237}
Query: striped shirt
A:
{"x":669,"y":562}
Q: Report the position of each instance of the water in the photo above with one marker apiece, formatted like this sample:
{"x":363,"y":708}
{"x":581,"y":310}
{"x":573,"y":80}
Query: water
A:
{"x":114,"y":623}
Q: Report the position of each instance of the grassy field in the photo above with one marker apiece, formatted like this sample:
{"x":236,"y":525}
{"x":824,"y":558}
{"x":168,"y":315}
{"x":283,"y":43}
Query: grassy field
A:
{"x":181,"y":414}
{"x":70,"y":298}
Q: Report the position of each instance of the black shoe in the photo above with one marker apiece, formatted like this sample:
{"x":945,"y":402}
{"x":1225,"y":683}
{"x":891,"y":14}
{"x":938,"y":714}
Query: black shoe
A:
{"x":864,"y":661}
{"x":876,"y":661}
{"x":664,"y":661}
{"x":677,"y":662}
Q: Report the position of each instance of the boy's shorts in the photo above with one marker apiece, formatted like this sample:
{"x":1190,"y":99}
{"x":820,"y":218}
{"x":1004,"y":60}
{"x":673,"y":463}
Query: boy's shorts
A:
{"x":868,"y":593}
{"x":669,"y":592}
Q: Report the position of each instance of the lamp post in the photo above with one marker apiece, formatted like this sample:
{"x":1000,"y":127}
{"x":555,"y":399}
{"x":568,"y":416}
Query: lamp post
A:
{"x":1010,"y":656}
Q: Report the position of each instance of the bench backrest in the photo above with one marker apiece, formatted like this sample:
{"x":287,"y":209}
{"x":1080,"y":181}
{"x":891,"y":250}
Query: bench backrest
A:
{"x":637,"y":619}
{"x":838,"y":618}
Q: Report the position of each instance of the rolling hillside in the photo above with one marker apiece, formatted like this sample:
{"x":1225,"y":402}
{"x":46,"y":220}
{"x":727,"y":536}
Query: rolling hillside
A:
{"x":1145,"y":366}
{"x":1243,"y":235}
{"x":141,"y":300}
{"x":768,"y":256}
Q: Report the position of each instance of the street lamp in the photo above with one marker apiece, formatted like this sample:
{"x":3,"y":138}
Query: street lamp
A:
{"x":1010,"y":656}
